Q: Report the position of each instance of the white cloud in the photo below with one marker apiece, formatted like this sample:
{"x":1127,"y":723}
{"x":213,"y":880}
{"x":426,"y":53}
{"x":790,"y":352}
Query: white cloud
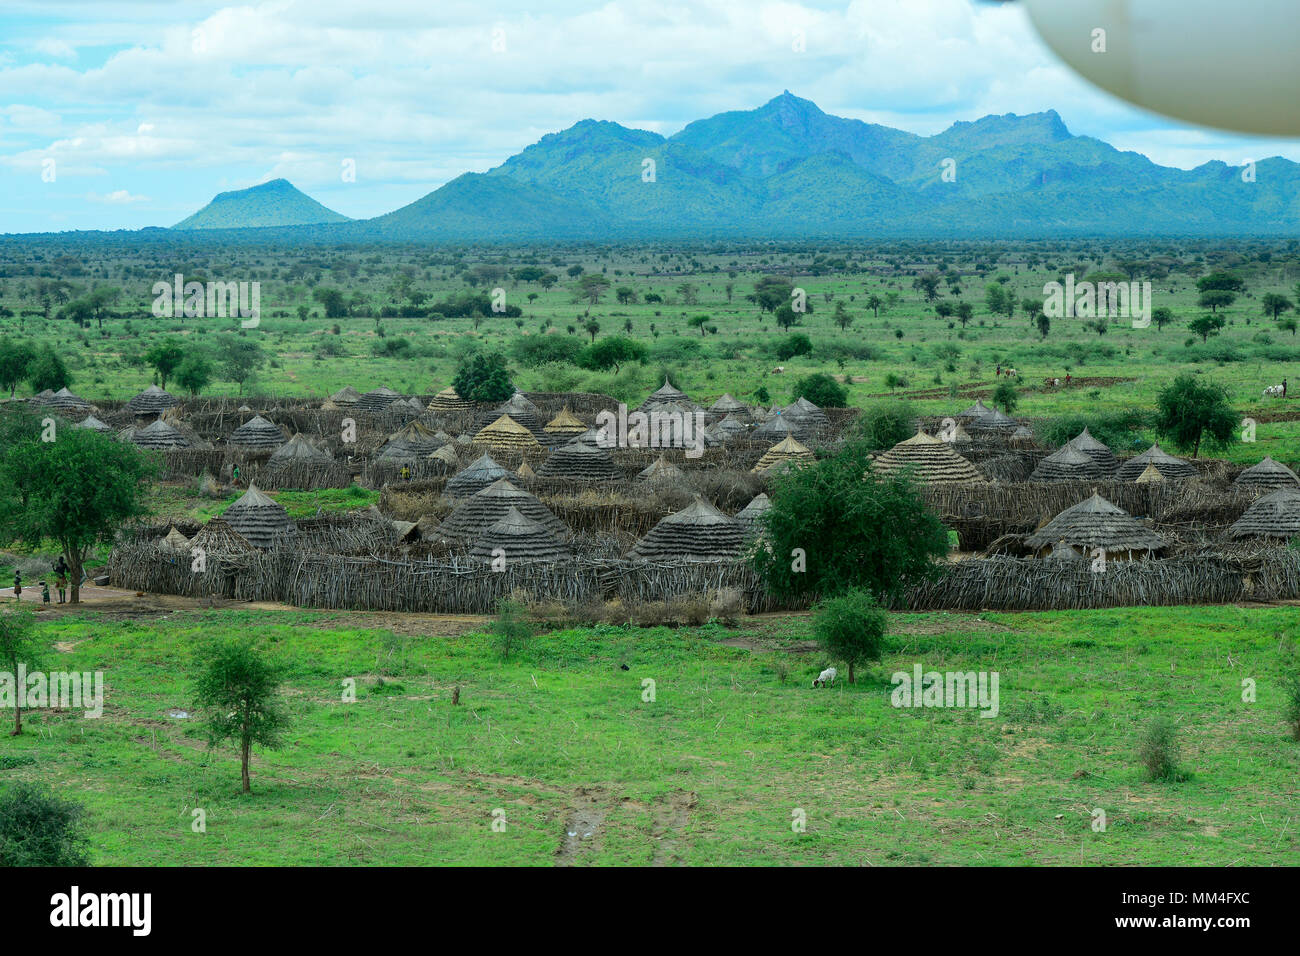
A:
{"x":116,"y":197}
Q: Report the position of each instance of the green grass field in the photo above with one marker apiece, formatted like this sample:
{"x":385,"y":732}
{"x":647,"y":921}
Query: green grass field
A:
{"x":559,"y":739}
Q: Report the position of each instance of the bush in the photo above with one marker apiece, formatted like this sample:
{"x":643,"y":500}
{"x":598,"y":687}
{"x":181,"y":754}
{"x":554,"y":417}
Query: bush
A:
{"x":38,"y":828}
{"x":1158,"y":750}
{"x":1119,"y":430}
{"x":1291,"y":690}
{"x":483,"y":378}
{"x":533,"y":351}
{"x":885,"y":424}
{"x":851,"y":628}
{"x":822,"y":390}
{"x":511,"y":630}
{"x":794,"y":345}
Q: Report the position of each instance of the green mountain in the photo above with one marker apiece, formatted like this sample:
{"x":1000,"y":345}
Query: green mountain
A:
{"x":274,"y":203}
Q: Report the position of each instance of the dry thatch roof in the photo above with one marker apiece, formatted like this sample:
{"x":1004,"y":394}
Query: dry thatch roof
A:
{"x":521,"y":411}
{"x":1165,"y":464}
{"x":591,"y":438}
{"x":417,"y":437}
{"x":1096,"y":523}
{"x":731,"y":427}
{"x":1095,"y":450}
{"x":377,"y":399}
{"x":346,"y":397}
{"x":565,"y":423}
{"x":298,"y":448}
{"x":258,"y":518}
{"x":474,"y":477}
{"x":152,"y":401}
{"x":780,"y":426}
{"x":980,"y":415}
{"x":748,"y":516}
{"x":662,"y":470}
{"x":726,"y":405}
{"x":519,"y":538}
{"x":64,"y":401}
{"x":445,"y":454}
{"x":804,"y":409}
{"x":699,"y":532}
{"x":481,"y":510}
{"x":1149,"y":474}
{"x":218,"y":537}
{"x":931,"y":460}
{"x":786,"y":450}
{"x":1068,"y":464}
{"x":1269,"y":474}
{"x":158,"y":435}
{"x":1276,"y":515}
{"x":257,"y":432}
{"x":506,"y":433}
{"x":665,"y":394}
{"x":175,"y":542}
{"x":93,"y":423}
{"x":579,"y":462}
{"x":448,"y":400}
{"x":1022,"y":437}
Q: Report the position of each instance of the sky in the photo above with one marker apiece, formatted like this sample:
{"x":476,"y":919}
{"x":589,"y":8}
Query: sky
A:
{"x":120,"y":114}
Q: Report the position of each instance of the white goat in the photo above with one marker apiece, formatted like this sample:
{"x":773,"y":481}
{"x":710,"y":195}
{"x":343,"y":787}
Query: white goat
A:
{"x":825,"y":677}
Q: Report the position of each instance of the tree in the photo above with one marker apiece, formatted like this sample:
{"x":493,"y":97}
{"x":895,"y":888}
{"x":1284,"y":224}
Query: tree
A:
{"x":47,"y":371}
{"x":1274,"y":304}
{"x":965,"y":312}
{"x":885,"y":424}
{"x":240,"y":359}
{"x":851,"y":628}
{"x":836,"y":524}
{"x":1216,"y":299}
{"x":510,"y":630}
{"x":928,"y":284}
{"x":195,"y":373}
{"x":874,"y":302}
{"x":39,"y":828}
{"x":1189,"y":412}
{"x":1206,"y":325}
{"x":995,"y":297}
{"x":17,"y":646}
{"x":590,"y":287}
{"x":822,"y":390}
{"x":689,"y":292}
{"x":99,"y":300}
{"x":333,"y":301}
{"x":611,"y":352}
{"x":625,"y":294}
{"x":1287,"y":325}
{"x":239,"y":689}
{"x":1044,"y":324}
{"x":842,"y":317}
{"x":770,"y":292}
{"x":165,"y":357}
{"x":786,"y":316}
{"x":76,"y":491}
{"x":592,"y":328}
{"x":1162,"y":317}
{"x":1221,"y":281}
{"x":1006,"y":396}
{"x":945,"y":309}
{"x":15,"y":360}
{"x":794,"y":345}
{"x":698,"y":322}
{"x":483,"y":378}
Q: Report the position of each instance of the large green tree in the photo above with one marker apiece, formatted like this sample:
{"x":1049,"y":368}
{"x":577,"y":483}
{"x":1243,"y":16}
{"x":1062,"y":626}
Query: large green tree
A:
{"x":483,"y":378}
{"x":1190,"y":412}
{"x":15,"y":360}
{"x":165,"y":356}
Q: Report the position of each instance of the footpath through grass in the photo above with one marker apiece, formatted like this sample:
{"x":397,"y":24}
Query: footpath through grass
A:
{"x":560,"y":743}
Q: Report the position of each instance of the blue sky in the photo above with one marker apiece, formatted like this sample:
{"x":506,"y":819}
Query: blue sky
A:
{"x":147,"y":108}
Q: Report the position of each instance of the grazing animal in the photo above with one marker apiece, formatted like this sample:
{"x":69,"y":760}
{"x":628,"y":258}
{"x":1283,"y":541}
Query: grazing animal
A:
{"x":825,"y":677}
{"x":1012,"y":373}
{"x":779,"y":370}
{"x":1274,"y":391}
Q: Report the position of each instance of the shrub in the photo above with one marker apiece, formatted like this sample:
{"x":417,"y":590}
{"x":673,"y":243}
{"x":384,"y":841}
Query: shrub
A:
{"x":794,"y":345}
{"x":885,"y":424}
{"x":822,"y":390}
{"x":511,"y":630}
{"x":38,"y":828}
{"x":1158,"y":750}
{"x":532,"y":351}
{"x":1291,"y":692}
{"x":851,"y":628}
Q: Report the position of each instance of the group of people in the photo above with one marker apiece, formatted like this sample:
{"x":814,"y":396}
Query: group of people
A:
{"x":60,"y":569}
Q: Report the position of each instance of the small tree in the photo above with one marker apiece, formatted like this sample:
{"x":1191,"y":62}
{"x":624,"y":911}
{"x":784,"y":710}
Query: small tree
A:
{"x":165,"y":357}
{"x":38,"y":828}
{"x":1158,"y":750}
{"x":15,"y":359}
{"x":240,"y":691}
{"x":1206,"y":325}
{"x":47,"y":370}
{"x":851,"y":628}
{"x":614,"y":352}
{"x":1274,"y":304}
{"x":483,"y":378}
{"x":885,"y":424}
{"x":1189,"y":412}
{"x":1006,"y":396}
{"x":511,"y":630}
{"x":194,"y":374}
{"x":822,"y":390}
{"x":17,"y":646}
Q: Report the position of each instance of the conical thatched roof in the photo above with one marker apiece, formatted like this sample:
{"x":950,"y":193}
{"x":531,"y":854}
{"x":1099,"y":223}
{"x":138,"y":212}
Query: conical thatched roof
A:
{"x":980,"y":415}
{"x":158,"y":435}
{"x":731,"y":427}
{"x":931,"y":460}
{"x":780,"y":426}
{"x":565,"y":424}
{"x":1268,"y":474}
{"x":1095,"y":450}
{"x":419,"y":438}
{"x":1276,"y":515}
{"x":578,"y":462}
{"x":959,"y":436}
{"x":346,"y":397}
{"x":590,"y":438}
{"x":481,"y":510}
{"x":257,"y":432}
{"x":377,"y":399}
{"x":748,"y":516}
{"x":218,"y":537}
{"x":1022,"y":437}
{"x":1165,"y":464}
{"x":521,"y":411}
{"x":520,"y":538}
{"x":666,"y":393}
{"x":1096,"y":523}
{"x":506,"y":433}
{"x":175,"y":542}
{"x":1149,"y":474}
{"x":726,"y":405}
{"x":474,"y":477}
{"x":259,"y":519}
{"x":94,"y":424}
{"x":786,"y":450}
{"x":445,"y":454}
{"x":152,"y":401}
{"x":298,"y":448}
{"x":699,"y":532}
{"x":448,"y":400}
{"x":804,"y":409}
{"x":1068,"y":464}
{"x":525,"y":470}
{"x":64,"y":401}
{"x":661,"y":470}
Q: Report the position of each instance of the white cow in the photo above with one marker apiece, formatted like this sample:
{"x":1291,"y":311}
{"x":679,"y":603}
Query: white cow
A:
{"x":779,"y":370}
{"x":1273,"y":391}
{"x":825,"y":677}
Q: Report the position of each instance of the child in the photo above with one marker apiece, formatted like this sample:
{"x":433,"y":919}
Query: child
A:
{"x":18,"y":585}
{"x":61,"y":577}
{"x":45,"y":593}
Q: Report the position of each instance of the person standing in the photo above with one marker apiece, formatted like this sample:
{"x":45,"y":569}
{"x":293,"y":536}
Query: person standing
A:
{"x":235,"y":476}
{"x":45,"y":592}
{"x":61,"y":577}
{"x":18,"y":585}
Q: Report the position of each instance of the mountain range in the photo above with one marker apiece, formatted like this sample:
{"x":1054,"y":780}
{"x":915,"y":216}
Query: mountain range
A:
{"x":790,"y":170}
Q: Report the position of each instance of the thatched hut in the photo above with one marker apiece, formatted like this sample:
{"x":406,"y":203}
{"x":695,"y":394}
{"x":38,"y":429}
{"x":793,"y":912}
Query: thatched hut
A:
{"x":930,"y":459}
{"x":579,"y":462}
{"x":981,"y":416}
{"x":804,"y":410}
{"x":218,"y":538}
{"x":449,"y":400}
{"x":94,"y":424}
{"x":345,"y":397}
{"x":445,"y":454}
{"x":565,"y":424}
{"x":780,"y":426}
{"x":1068,"y":464}
{"x":1164,"y":463}
{"x":731,"y":427}
{"x":522,"y":412}
{"x":749,"y":515}
{"x":699,"y":532}
{"x":1276,"y":515}
{"x":175,"y":542}
{"x":158,"y":436}
{"x":665,"y":395}
{"x":152,"y":401}
{"x":474,"y":477}
{"x":298,"y":449}
{"x":414,"y":438}
{"x":590,"y":438}
{"x":1097,"y":451}
{"x":257,"y":434}
{"x":661,"y":469}
{"x":378,"y":399}
{"x":1022,"y":437}
{"x":1096,"y":523}
{"x":481,"y":510}
{"x":64,"y":401}
{"x":506,"y":434}
{"x":1268,"y":474}
{"x":1149,"y":475}
{"x":259,"y":519}
{"x":727,"y":405}
{"x":786,"y":450}
{"x":518,"y":538}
